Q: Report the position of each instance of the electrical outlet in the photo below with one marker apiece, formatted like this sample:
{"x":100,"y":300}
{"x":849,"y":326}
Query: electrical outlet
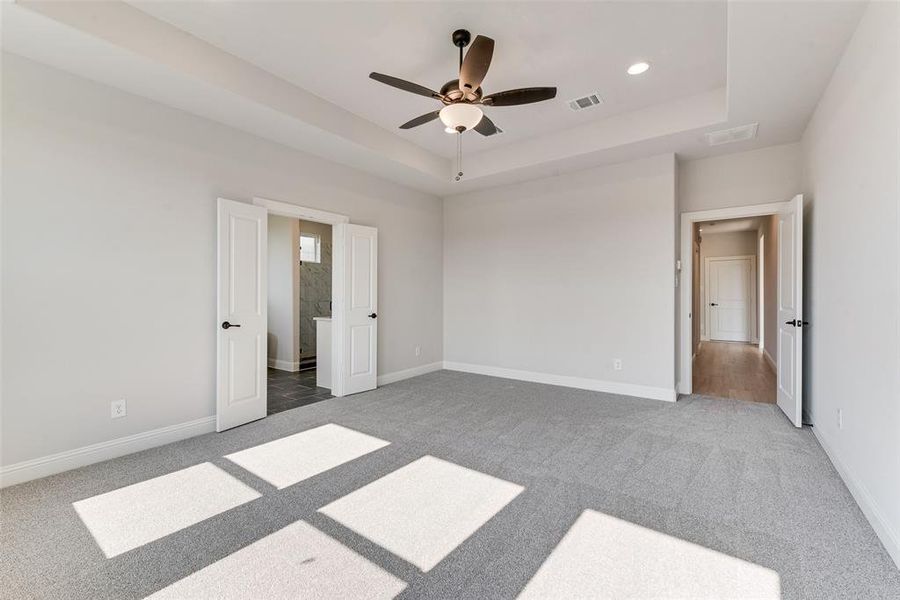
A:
{"x":840,"y":417}
{"x":617,"y":364}
{"x":117,"y":409}
{"x":418,"y":350}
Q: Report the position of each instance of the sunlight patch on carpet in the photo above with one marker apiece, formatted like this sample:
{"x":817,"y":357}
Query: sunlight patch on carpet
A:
{"x":298,"y":561}
{"x":605,"y":557}
{"x":423,"y":511}
{"x":289,"y":460}
{"x":135,"y":515}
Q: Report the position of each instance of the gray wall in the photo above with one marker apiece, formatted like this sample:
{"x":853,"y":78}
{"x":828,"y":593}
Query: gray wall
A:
{"x":283,"y":294}
{"x":771,"y":174}
{"x":108,"y":256}
{"x":851,"y":151}
{"x":562,"y":275}
{"x":769,"y":264}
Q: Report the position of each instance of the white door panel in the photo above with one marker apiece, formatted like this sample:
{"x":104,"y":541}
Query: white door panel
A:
{"x":790,"y":302}
{"x":360,"y":317}
{"x":241,"y":348}
{"x":731,"y":292}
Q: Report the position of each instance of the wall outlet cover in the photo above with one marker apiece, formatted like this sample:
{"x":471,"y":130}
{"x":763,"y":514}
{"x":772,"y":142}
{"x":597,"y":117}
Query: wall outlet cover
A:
{"x":117,"y":409}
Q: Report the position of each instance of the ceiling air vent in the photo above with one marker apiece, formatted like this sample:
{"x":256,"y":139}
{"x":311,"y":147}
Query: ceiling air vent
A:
{"x":588,"y":101}
{"x":735,"y":134}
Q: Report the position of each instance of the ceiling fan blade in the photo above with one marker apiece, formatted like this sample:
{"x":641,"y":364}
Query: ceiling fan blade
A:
{"x":406,"y":86}
{"x":421,"y":120}
{"x":486,"y":126}
{"x":520,"y":96}
{"x":475,"y":65}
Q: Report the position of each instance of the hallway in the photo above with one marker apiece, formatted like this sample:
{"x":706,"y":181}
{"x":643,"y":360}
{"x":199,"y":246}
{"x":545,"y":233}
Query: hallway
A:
{"x":734,"y":370}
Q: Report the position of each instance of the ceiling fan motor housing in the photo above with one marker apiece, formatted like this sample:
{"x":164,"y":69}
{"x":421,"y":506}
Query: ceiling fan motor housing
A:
{"x":452,"y":93}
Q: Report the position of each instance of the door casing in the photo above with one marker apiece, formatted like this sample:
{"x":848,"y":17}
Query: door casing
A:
{"x":684,"y":321}
{"x":338,"y":277}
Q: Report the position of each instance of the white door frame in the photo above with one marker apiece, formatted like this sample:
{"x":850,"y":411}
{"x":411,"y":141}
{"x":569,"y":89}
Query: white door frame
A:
{"x":338,"y":294}
{"x":751,"y":301}
{"x":685,"y":370}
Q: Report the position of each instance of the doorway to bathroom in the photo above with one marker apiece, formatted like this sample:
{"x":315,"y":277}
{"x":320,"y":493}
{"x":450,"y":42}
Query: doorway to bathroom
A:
{"x":298,"y":335}
{"x":350,"y":359}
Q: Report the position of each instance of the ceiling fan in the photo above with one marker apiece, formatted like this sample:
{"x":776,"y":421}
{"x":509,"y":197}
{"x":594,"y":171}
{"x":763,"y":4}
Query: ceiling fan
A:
{"x":463,"y":97}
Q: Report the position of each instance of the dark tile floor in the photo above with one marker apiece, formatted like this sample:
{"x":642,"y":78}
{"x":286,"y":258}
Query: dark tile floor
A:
{"x":289,"y":390}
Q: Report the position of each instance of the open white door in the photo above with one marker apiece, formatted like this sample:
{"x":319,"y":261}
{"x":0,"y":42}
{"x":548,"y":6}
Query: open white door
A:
{"x":359,"y":369}
{"x":790,"y":306}
{"x":241,"y":314}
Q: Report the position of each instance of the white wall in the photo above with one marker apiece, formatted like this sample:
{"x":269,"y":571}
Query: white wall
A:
{"x":851,"y":151}
{"x":732,"y":243}
{"x":771,"y":174}
{"x":769,"y":296}
{"x":108,"y":256}
{"x":284,"y":297}
{"x":562,"y":275}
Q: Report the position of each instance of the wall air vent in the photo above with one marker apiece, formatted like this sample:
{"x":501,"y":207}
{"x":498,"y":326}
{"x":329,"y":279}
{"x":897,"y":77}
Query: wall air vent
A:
{"x":735,"y":134}
{"x":589,"y":101}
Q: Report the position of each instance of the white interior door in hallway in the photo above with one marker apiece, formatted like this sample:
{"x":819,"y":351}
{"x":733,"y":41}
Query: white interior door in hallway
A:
{"x":730,"y":297}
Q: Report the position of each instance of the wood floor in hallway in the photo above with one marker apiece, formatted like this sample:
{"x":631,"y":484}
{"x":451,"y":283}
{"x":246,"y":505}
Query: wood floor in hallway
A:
{"x":734,"y":370}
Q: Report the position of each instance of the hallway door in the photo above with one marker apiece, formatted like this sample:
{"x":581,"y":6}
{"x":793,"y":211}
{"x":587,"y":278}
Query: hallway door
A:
{"x":790,"y":304}
{"x":730,"y":283}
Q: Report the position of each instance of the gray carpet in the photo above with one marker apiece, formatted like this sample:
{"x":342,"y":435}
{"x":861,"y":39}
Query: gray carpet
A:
{"x":731,"y":476}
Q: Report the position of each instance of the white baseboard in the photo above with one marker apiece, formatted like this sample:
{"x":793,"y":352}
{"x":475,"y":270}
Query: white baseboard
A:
{"x":284,"y":365}
{"x":407,"y":373}
{"x":87,"y":455}
{"x":770,"y":360}
{"x":870,"y":509}
{"x":595,"y":385}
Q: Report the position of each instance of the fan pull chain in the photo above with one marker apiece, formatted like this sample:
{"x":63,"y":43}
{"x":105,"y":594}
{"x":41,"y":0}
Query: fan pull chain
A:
{"x":459,"y":171}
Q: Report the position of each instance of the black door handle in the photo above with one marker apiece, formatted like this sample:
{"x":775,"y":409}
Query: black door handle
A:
{"x":226,"y":325}
{"x":796,"y":322}
{"x":713,"y":304}
{"x":373,"y":316}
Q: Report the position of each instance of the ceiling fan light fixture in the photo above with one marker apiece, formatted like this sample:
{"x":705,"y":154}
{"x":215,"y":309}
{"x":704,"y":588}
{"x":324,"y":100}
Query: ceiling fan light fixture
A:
{"x":459,"y":115}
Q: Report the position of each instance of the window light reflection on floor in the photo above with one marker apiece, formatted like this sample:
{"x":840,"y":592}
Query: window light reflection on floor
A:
{"x":132,"y":516}
{"x":289,"y":460}
{"x":298,"y":561}
{"x":605,"y":557}
{"x":423,"y":511}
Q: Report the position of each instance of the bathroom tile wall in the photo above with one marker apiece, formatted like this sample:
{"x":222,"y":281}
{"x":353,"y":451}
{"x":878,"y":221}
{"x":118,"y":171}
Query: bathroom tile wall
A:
{"x":315,"y":298}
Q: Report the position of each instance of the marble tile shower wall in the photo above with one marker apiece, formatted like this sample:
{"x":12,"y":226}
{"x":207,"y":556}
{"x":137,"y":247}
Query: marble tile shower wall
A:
{"x":315,"y":298}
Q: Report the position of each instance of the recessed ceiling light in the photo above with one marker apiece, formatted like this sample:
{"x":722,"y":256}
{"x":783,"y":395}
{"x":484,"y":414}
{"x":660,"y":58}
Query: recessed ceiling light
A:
{"x":638,"y":68}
